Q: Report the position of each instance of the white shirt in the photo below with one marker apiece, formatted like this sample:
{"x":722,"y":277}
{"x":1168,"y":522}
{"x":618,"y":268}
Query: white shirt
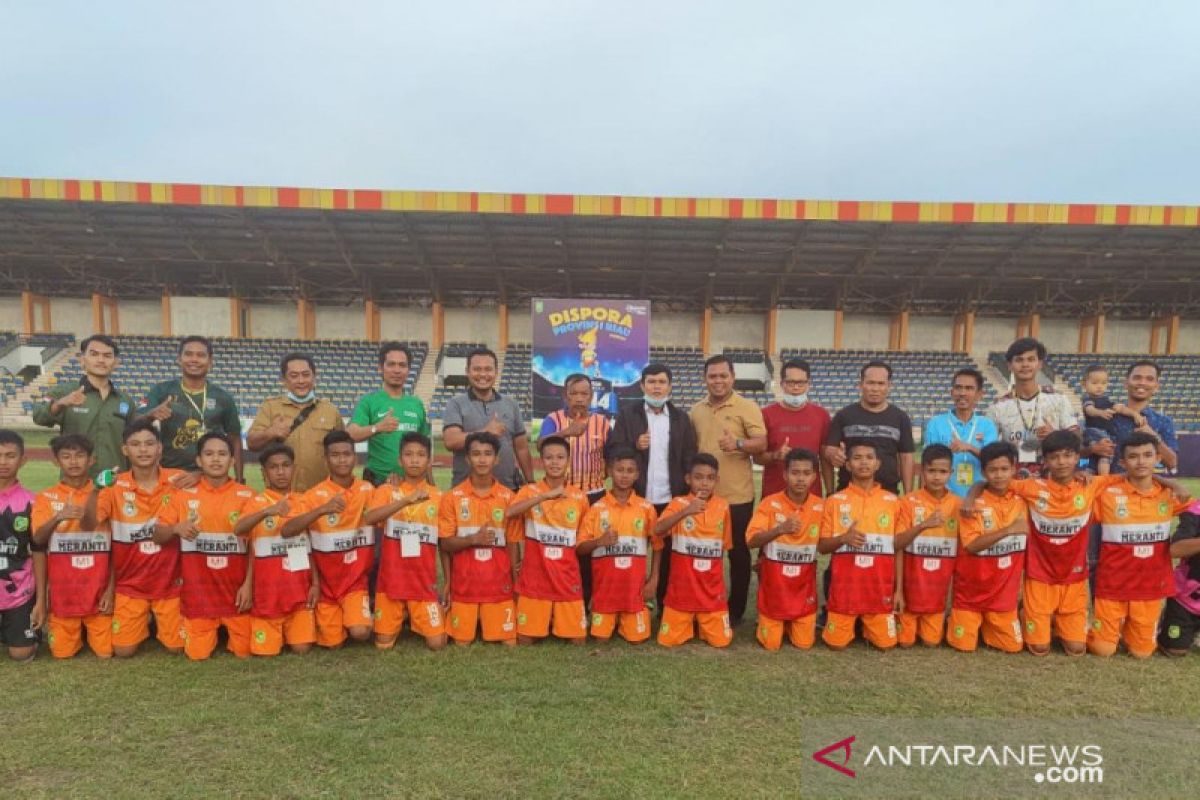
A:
{"x":658,"y":468}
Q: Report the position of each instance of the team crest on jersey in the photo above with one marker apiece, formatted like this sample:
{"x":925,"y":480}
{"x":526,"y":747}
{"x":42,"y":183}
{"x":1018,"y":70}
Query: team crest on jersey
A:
{"x":989,"y":521}
{"x":57,"y":506}
{"x":1122,"y":506}
{"x":497,"y":515}
{"x":639,"y":524}
{"x":919,"y":514}
{"x":464,"y":509}
{"x":814,"y":530}
{"x":430,"y":511}
{"x":193,"y":510}
{"x":1043,"y":501}
{"x":781,"y":518}
{"x":129,"y":509}
{"x":269,"y":523}
{"x":233,"y":517}
{"x":689,"y":524}
{"x":571,"y":515}
{"x":884,"y":520}
{"x":331,"y":519}
{"x":721,"y":526}
{"x":952,"y":524}
{"x":21,"y":524}
{"x":537,"y":511}
{"x":1163,"y":508}
{"x":1079,"y":501}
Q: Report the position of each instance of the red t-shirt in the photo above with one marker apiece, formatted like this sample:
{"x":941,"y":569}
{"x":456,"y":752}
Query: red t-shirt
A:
{"x":408,"y":560}
{"x":77,"y":561}
{"x":804,"y":427}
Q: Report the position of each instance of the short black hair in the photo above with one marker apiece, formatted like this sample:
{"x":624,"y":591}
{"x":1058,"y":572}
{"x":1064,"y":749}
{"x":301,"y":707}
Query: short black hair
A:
{"x":276,"y":449}
{"x":867,"y":443}
{"x":1024,"y":345}
{"x":576,"y":377}
{"x":1090,"y":369}
{"x":1058,"y":441}
{"x":1145,"y":362}
{"x":936,"y":452}
{"x":388,"y":347}
{"x":336,"y":437}
{"x":1137,"y":439}
{"x":801,"y":454}
{"x":483,"y":437}
{"x":874,"y":363}
{"x":418,"y":438}
{"x":968,"y":372}
{"x":796,"y":363}
{"x":656,"y":368}
{"x":195,"y":339}
{"x":623,"y":453}
{"x":139,"y":425}
{"x":8,"y":436}
{"x":102,"y":339}
{"x":297,"y":356}
{"x":482,"y":351}
{"x":553,"y":440}
{"x":995,"y":450}
{"x":72,"y":441}
{"x":703,"y":460}
{"x":719,"y":358}
{"x":212,"y":436}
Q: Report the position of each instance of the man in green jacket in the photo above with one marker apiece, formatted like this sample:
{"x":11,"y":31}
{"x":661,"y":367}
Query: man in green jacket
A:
{"x":94,"y":406}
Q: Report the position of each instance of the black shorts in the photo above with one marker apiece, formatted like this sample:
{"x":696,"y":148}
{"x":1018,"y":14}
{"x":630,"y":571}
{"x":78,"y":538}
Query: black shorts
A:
{"x":15,"y":629}
{"x":1178,"y":627}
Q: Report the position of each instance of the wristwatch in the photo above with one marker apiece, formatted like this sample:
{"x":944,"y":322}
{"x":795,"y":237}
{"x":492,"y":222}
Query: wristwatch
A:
{"x":739,"y":443}
{"x":374,"y":429}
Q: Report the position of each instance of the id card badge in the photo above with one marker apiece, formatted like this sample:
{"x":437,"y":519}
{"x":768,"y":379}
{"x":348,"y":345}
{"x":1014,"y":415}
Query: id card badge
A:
{"x":965,"y":474}
{"x":410,"y":543}
{"x":296,"y":557}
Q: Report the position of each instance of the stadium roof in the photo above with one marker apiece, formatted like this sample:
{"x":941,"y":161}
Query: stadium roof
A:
{"x":130,"y":240}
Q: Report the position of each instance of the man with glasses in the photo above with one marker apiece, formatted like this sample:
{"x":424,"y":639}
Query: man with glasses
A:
{"x":794,"y":421}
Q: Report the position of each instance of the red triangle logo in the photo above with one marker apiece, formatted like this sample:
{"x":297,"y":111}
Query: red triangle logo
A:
{"x":837,"y":747}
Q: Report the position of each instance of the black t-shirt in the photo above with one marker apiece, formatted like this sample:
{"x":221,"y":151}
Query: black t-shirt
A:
{"x":1189,"y":528}
{"x":890,"y":430}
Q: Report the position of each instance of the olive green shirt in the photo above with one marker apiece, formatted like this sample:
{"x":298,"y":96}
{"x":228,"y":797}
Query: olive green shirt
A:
{"x":192,"y":415}
{"x":101,"y":419}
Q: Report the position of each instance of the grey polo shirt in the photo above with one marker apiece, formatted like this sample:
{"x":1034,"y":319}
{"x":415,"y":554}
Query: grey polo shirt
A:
{"x":468,"y":412}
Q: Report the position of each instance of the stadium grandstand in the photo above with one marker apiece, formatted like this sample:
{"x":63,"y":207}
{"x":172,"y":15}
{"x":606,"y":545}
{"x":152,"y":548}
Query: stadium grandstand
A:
{"x":928,"y":287}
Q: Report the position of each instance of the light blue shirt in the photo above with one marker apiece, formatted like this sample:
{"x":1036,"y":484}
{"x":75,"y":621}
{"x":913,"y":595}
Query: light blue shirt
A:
{"x":979,"y":431}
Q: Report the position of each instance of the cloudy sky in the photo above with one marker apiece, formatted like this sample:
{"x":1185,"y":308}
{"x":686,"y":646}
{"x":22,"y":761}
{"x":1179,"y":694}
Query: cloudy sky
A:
{"x":1032,"y":101}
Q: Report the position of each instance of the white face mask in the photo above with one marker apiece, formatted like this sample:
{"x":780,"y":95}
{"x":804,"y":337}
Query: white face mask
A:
{"x":655,"y":402}
{"x":308,"y":398}
{"x":795,"y":400}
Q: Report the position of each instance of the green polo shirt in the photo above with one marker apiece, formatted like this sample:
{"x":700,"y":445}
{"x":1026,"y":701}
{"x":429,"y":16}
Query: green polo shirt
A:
{"x":383,"y":449}
{"x":101,"y":419}
{"x":192,"y":416}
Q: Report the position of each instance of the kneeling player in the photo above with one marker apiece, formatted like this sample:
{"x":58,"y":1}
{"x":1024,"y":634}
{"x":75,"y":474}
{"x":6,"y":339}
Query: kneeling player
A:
{"x":343,"y":545}
{"x":408,"y":562}
{"x":617,"y":532}
{"x":928,"y":537}
{"x":471,"y":529}
{"x":701,"y":533}
{"x":987,"y":572}
{"x":1134,"y":572}
{"x":78,"y":560}
{"x":1181,"y":617}
{"x":858,"y":525}
{"x":217,"y":589}
{"x":545,"y":517}
{"x":285,"y":585}
{"x":787,"y":525}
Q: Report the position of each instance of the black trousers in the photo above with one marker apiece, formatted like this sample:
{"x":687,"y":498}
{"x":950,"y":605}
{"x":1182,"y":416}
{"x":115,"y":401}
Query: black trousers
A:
{"x":739,"y":561}
{"x":664,"y":567}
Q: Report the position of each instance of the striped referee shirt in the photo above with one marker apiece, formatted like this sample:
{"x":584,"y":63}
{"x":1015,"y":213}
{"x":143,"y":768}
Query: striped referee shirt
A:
{"x":587,"y":449}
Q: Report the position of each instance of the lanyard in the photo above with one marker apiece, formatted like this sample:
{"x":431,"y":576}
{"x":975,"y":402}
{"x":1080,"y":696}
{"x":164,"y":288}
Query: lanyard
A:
{"x":970,"y":434}
{"x":203,"y":399}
